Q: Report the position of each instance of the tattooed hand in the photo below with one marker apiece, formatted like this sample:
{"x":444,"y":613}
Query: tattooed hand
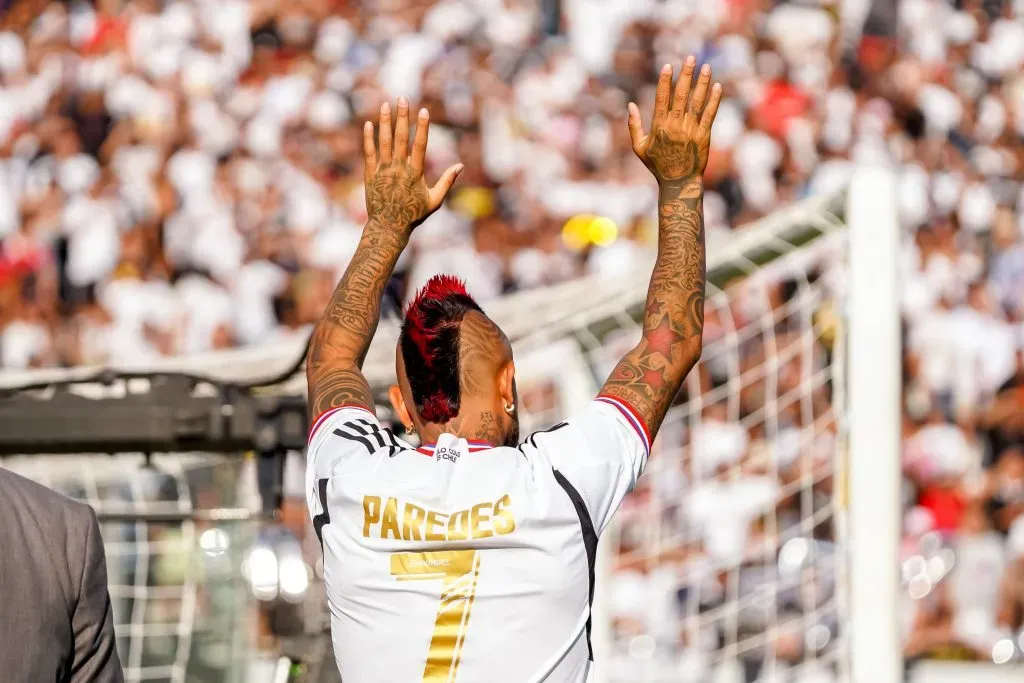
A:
{"x":397,"y":194}
{"x":676,"y":150}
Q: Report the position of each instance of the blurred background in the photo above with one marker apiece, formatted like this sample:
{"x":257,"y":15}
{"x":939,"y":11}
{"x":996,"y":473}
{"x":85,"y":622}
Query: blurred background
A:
{"x":183,"y":180}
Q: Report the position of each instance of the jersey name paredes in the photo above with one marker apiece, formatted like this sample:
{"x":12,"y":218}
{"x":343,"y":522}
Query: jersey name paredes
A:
{"x":404,"y":521}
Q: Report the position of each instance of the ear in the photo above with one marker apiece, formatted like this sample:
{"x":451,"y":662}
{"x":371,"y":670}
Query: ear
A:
{"x":398,"y":403}
{"x":506,"y":382}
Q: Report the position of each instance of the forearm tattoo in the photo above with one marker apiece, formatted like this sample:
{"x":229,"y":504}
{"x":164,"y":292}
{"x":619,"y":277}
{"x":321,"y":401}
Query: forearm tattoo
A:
{"x":342,"y":337}
{"x":650,"y":375}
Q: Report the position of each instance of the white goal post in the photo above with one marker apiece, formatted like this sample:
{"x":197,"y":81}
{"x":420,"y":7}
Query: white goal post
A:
{"x":875,"y":399}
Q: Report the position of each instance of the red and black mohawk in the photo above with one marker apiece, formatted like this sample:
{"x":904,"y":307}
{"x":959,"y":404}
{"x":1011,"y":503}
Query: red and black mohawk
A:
{"x":430,"y":346}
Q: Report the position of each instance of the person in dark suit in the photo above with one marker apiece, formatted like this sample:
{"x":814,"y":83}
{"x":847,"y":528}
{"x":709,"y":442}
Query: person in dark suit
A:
{"x":56,"y":623}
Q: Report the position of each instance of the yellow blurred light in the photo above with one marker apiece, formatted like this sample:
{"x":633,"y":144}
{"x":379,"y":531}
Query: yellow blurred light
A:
{"x":602,"y":231}
{"x":474,"y":202}
{"x":575,"y":232}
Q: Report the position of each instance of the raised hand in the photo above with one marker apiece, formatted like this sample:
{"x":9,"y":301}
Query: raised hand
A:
{"x":397,"y":194}
{"x":677,"y":146}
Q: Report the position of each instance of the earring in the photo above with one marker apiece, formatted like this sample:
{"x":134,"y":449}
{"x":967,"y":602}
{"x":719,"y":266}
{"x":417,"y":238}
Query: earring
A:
{"x":510,"y":408}
{"x":409,"y":430}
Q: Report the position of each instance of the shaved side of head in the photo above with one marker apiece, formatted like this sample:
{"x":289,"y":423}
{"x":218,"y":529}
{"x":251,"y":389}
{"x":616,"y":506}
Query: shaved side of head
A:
{"x":483,"y":351}
{"x":485,"y":360}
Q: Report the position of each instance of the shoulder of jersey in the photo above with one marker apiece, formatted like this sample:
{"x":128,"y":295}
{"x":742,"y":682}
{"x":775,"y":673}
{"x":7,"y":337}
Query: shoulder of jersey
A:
{"x":372,"y":437}
{"x":531,"y":440}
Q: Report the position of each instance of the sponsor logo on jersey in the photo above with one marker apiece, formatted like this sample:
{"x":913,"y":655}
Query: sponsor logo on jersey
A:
{"x":445,"y":453}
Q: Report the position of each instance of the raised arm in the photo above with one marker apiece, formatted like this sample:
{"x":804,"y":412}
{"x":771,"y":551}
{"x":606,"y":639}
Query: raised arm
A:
{"x":676,"y":152}
{"x":397,"y":200}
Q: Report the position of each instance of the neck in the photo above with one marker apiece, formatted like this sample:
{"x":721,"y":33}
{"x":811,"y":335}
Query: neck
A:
{"x":481,"y":424}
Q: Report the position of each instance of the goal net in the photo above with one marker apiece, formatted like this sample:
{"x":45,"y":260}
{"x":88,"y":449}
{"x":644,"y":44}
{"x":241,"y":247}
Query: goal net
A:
{"x":725,"y":565}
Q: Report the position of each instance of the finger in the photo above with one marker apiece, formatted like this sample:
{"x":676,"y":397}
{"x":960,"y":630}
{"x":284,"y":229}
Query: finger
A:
{"x":636,"y":128}
{"x":419,"y":143}
{"x":700,"y":93}
{"x":712,"y":109}
{"x":369,"y":149}
{"x":384,"y":133}
{"x":402,"y":129}
{"x":436,"y":194}
{"x":683,"y":86}
{"x":661,"y":95}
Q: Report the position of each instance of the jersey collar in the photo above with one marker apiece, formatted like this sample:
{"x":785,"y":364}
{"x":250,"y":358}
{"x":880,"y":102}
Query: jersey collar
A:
{"x":472,"y":446}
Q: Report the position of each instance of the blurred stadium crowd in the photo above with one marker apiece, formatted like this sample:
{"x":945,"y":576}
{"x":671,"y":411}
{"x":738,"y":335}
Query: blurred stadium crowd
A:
{"x":184,"y":176}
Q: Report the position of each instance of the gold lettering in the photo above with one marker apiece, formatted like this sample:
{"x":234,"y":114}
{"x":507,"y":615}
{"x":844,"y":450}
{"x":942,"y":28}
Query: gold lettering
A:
{"x":458,"y":526}
{"x":481,"y":521}
{"x":371,"y":513}
{"x":390,"y":523}
{"x":503,"y":521}
{"x":412,"y":522}
{"x":435,"y":525}
{"x":478,"y":516}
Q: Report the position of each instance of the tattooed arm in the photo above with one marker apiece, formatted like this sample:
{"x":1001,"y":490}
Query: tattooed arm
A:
{"x":676,"y":152}
{"x":397,"y":200}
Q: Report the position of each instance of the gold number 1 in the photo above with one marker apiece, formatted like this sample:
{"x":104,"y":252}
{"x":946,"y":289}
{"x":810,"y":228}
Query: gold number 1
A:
{"x":459,"y":569}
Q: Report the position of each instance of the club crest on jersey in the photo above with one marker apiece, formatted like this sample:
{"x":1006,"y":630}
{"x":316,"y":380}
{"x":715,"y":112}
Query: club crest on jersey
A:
{"x":445,"y":453}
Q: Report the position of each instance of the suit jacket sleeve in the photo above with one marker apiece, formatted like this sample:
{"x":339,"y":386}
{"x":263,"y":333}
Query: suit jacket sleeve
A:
{"x":95,"y":658}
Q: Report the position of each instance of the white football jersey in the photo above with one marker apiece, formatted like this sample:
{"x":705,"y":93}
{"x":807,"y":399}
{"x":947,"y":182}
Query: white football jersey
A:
{"x":459,"y":562}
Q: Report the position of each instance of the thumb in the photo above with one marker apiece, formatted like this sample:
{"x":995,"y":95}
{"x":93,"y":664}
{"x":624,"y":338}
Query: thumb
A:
{"x":636,"y":128}
{"x":437,"y":193}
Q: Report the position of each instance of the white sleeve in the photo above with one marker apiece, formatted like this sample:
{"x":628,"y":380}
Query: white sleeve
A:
{"x":337,"y":437}
{"x":601,"y":452}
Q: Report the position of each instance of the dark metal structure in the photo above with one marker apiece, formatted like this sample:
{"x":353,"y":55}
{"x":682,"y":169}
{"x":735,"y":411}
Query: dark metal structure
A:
{"x":119,"y":412}
{"x":162,"y":413}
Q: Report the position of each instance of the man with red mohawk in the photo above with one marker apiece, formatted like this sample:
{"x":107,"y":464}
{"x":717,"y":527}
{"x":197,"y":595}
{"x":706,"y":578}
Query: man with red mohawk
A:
{"x":471,"y":558}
